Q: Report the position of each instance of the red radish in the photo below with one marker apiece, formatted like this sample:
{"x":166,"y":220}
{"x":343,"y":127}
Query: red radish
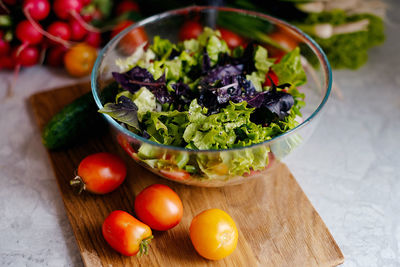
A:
{"x":59,"y":29}
{"x":126,"y":6}
{"x":64,"y":8}
{"x":55,"y":56}
{"x":27,"y":33}
{"x":93,"y":39}
{"x":94,"y":15}
{"x":85,"y":2}
{"x":77,"y":31}
{"x":28,"y":56}
{"x":7,"y":62}
{"x":4,"y":45}
{"x":38,"y":9}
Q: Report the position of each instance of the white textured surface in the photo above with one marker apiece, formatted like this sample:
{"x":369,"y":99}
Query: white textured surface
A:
{"x":350,"y":168}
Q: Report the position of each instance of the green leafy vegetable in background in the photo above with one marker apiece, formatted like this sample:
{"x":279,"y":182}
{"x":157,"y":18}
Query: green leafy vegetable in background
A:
{"x":348,"y":50}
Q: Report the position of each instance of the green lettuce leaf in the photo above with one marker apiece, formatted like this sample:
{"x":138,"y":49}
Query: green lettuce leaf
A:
{"x":145,"y":101}
{"x":166,"y":127}
{"x":262,"y":63}
{"x":257,"y":78}
{"x":290,"y":70}
{"x":162,"y":47}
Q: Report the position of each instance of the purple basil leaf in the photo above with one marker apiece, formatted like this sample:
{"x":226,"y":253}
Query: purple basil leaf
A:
{"x":270,"y":104}
{"x":220,"y":72}
{"x":206,"y":63}
{"x":182,"y":95}
{"x":134,"y":79}
{"x":124,"y":111}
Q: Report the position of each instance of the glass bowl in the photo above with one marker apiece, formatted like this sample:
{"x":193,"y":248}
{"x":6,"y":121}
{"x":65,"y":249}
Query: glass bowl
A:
{"x":214,"y":168}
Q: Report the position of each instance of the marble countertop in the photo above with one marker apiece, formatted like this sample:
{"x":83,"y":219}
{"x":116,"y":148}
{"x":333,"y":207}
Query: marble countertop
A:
{"x":350,"y":168}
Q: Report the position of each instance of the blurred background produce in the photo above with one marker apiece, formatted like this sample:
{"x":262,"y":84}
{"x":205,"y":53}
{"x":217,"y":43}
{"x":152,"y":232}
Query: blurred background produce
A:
{"x":60,"y":33}
{"x":67,"y":33}
{"x":345,"y":29}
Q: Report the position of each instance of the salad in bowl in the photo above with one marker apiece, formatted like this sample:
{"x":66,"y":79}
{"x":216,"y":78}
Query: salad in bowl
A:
{"x":202,"y":112}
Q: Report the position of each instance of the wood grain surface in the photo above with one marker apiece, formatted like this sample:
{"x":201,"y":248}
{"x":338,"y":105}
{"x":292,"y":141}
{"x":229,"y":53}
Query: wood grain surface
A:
{"x":277,"y":224}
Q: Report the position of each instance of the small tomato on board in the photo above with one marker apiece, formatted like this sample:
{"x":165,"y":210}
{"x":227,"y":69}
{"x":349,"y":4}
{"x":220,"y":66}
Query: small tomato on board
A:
{"x":79,"y":59}
{"x":126,"y":234}
{"x":213,"y":234}
{"x":159,"y":207}
{"x":100,"y":173}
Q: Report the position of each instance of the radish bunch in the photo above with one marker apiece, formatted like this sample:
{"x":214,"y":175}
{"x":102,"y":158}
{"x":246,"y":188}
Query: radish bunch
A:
{"x":42,"y":31}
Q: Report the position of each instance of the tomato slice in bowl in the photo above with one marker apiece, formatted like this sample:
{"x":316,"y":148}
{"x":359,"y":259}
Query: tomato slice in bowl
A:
{"x":176,"y":174}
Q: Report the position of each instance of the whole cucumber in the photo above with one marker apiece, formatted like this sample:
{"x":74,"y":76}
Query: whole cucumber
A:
{"x":77,"y":121}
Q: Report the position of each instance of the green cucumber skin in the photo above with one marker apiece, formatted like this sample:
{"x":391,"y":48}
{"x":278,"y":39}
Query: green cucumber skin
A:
{"x":76,"y":122}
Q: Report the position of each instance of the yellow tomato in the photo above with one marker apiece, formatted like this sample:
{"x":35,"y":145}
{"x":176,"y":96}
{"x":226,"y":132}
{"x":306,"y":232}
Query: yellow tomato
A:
{"x":214,"y":234}
{"x":79,"y":59}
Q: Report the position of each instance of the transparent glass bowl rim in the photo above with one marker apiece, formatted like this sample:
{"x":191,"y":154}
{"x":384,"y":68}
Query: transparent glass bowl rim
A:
{"x":182,"y":11}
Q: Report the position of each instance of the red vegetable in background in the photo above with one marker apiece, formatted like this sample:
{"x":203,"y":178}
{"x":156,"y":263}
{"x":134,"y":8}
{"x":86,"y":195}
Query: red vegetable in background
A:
{"x":232,"y":39}
{"x":38,"y":9}
{"x":59,"y":29}
{"x":100,"y":173}
{"x":55,"y":56}
{"x":93,"y":39}
{"x":132,"y":39}
{"x":64,"y":8}
{"x":190,"y":30}
{"x":27,"y":33}
{"x":27,"y":56}
{"x":4,"y":45}
{"x":126,"y":6}
{"x":78,"y":32}
{"x":159,"y":207}
{"x":126,"y":234}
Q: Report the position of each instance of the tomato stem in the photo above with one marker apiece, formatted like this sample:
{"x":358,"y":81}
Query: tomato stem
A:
{"x":144,"y":246}
{"x":78,"y":182}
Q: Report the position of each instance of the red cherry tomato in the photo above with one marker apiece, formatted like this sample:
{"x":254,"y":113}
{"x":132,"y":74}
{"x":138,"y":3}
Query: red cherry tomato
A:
{"x":132,"y":39}
{"x":190,"y":30}
{"x":271,"y":76}
{"x":285,"y":39}
{"x":100,"y":173}
{"x":120,"y":27}
{"x":159,"y":207}
{"x":232,"y":39}
{"x":126,"y":234}
{"x":176,"y":175}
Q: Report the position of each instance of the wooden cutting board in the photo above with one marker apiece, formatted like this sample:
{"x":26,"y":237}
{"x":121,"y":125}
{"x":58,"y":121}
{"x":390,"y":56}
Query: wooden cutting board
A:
{"x":277,"y":224}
